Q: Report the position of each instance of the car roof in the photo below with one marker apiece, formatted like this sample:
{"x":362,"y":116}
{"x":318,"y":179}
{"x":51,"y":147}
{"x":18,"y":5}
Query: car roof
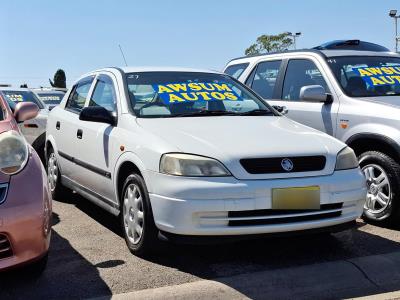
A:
{"x":15,"y":89}
{"x":135,"y":69}
{"x":324,"y":53}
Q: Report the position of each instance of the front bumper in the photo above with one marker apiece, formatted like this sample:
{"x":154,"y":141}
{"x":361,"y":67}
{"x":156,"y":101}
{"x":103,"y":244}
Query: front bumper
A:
{"x":25,"y":216}
{"x":227,"y":206}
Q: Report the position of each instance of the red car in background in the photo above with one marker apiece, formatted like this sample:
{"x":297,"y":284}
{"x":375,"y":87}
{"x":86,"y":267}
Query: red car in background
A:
{"x":25,"y":201}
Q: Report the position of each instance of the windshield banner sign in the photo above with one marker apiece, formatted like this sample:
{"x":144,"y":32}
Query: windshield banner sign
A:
{"x":195,"y":91}
{"x":377,"y":76}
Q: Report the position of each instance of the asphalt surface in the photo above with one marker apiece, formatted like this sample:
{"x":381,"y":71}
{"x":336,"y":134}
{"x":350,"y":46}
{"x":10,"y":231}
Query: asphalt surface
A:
{"x":89,"y":258}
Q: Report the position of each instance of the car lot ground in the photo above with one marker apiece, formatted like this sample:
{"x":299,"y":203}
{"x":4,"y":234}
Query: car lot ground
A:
{"x":89,"y":259}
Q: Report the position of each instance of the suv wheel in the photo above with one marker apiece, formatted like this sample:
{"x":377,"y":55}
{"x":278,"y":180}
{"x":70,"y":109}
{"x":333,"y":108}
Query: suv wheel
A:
{"x":383,"y":181}
{"x":54,"y":176}
{"x":136,"y":216}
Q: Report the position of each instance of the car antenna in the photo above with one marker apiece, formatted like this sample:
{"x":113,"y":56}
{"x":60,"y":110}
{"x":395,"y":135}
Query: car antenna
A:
{"x":122,"y":53}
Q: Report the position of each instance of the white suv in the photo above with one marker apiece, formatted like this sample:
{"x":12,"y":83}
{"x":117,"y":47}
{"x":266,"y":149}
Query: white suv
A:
{"x":185,"y":153}
{"x":348,"y":89}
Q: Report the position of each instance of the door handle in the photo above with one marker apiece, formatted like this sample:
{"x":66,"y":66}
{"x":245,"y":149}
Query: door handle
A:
{"x":58,"y":125}
{"x":79,"y":134}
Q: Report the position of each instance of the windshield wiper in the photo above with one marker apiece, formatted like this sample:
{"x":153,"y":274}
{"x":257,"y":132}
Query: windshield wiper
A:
{"x":205,"y":113}
{"x":256,"y":112}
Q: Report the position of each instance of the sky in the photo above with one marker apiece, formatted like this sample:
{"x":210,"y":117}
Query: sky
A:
{"x":38,"y":37}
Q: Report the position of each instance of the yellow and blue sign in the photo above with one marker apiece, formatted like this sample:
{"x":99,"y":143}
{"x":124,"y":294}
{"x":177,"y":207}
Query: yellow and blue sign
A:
{"x":195,"y":91}
{"x":378,"y":76}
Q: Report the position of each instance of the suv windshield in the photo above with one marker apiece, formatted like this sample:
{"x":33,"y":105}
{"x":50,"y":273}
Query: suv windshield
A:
{"x":367,"y":76}
{"x":14,"y":97}
{"x":182,"y":94}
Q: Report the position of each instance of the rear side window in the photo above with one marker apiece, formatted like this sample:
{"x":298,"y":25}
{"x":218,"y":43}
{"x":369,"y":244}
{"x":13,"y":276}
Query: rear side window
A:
{"x":104,"y":94}
{"x":236,"y":70}
{"x":265,"y":78}
{"x":77,"y":98}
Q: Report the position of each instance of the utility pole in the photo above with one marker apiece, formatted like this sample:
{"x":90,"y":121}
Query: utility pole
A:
{"x":393,"y":14}
{"x":294,"y":36}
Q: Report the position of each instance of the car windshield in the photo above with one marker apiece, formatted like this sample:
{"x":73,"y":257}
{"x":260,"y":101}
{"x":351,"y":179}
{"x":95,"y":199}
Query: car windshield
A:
{"x":182,"y":94}
{"x":51,"y":98}
{"x":367,"y":76}
{"x":14,"y":97}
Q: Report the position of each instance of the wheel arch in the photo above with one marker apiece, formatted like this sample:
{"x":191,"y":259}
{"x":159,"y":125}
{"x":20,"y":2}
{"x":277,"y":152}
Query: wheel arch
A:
{"x":362,"y":142}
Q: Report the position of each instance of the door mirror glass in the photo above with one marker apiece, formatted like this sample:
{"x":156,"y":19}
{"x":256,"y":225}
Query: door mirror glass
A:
{"x":25,"y":111}
{"x":97,"y":114}
{"x":313,"y":93}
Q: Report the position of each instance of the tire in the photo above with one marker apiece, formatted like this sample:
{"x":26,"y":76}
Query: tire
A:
{"x":383,"y":180}
{"x":136,"y":213}
{"x":53,"y":172}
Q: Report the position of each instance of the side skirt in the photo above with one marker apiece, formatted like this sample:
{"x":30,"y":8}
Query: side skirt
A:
{"x":92,"y":196}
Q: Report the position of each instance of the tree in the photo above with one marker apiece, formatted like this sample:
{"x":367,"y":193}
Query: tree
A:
{"x":24,"y":85}
{"x":59,"y":79}
{"x":270,"y":43}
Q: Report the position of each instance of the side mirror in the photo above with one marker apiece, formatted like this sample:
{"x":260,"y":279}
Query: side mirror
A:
{"x":281,"y":109}
{"x":315,"y":93}
{"x":25,"y":111}
{"x":97,"y":114}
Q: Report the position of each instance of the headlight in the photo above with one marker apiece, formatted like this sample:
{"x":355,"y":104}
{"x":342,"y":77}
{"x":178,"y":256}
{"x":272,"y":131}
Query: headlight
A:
{"x":13,"y":154}
{"x":180,"y":164}
{"x":346,"y":159}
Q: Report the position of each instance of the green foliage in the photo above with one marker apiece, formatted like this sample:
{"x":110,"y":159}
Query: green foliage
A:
{"x":59,"y":79}
{"x":270,"y":43}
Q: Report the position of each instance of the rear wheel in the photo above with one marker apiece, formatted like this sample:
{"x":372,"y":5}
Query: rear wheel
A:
{"x":136,"y":216}
{"x":383,"y":181}
{"x":54,"y":176}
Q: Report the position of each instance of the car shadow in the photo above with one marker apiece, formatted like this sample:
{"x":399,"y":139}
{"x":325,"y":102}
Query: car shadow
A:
{"x":63,"y":260}
{"x":219,"y":261}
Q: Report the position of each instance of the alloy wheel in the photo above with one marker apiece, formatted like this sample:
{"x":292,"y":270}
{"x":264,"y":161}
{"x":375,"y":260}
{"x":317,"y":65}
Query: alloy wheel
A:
{"x":379,"y":192}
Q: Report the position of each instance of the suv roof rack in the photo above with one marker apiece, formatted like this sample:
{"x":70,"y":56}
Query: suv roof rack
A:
{"x":352,"y":45}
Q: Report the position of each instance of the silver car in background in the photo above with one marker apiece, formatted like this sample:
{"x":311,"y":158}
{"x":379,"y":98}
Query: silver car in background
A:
{"x":348,"y":89}
{"x":34,"y":130}
{"x":51,"y":97}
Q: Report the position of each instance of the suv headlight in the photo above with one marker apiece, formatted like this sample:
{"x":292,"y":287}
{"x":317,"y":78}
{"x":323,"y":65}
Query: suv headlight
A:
{"x":346,"y":159}
{"x":14,"y":152}
{"x":181,"y":164}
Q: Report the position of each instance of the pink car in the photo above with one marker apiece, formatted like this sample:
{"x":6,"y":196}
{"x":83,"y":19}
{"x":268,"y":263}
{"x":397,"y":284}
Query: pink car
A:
{"x":25,"y":201}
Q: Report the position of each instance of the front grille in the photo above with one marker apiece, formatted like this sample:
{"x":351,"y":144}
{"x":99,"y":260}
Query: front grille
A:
{"x":5,"y":247}
{"x":3,"y":192}
{"x":272,"y":216}
{"x":274,"y":165}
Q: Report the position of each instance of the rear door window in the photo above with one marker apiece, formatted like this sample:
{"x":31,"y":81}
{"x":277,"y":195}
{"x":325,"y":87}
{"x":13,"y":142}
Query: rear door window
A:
{"x":236,"y":70}
{"x":265,"y":78}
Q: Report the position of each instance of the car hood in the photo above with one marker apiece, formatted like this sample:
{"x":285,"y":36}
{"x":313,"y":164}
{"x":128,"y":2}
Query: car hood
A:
{"x":231,"y":138}
{"x":389,"y":100}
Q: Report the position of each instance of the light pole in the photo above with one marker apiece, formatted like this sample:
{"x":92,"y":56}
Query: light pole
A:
{"x":294,"y":36}
{"x":393,"y":14}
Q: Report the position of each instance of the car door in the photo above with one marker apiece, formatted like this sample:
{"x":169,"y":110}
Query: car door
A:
{"x":65,"y":122}
{"x":302,"y":72}
{"x":97,"y":149}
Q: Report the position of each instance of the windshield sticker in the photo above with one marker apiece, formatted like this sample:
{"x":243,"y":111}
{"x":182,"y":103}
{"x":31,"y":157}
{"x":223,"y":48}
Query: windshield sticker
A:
{"x":195,"y":91}
{"x":15,"y":97}
{"x":377,"y":76}
{"x":50,"y":98}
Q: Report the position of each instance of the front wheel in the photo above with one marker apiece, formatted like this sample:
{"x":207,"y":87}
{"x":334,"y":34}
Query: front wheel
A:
{"x":383,"y":181}
{"x":136,"y":216}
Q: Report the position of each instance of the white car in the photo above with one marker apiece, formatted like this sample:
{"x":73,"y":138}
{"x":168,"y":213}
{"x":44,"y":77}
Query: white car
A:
{"x":166,"y":150}
{"x":34,"y":130}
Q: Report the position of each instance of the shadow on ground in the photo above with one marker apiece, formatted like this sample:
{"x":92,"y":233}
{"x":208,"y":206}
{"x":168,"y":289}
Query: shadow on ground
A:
{"x":63,"y":261}
{"x":208,"y":262}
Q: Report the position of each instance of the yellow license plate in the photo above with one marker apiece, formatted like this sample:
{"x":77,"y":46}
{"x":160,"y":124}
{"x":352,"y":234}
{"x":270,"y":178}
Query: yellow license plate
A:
{"x":296,"y":198}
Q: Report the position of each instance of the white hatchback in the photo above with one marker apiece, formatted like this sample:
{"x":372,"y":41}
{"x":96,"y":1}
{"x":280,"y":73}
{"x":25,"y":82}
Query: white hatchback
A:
{"x":184,"y":154}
